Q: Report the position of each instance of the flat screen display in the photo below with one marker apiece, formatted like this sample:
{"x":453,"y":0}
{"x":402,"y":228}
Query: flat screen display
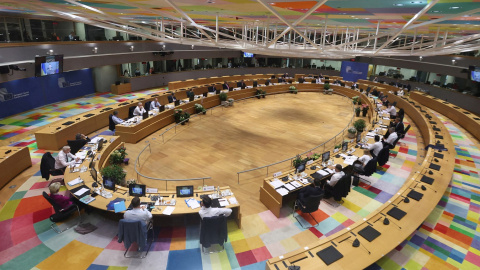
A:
{"x":93,"y":172}
{"x":48,"y":65}
{"x":326,"y":156}
{"x":184,"y":191}
{"x":344,"y":146}
{"x":136,"y":190}
{"x":108,"y":184}
{"x":248,"y":55}
{"x":475,"y":75}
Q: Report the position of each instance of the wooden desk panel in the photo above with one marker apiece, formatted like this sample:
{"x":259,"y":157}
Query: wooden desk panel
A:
{"x":121,"y":88}
{"x":13,"y":163}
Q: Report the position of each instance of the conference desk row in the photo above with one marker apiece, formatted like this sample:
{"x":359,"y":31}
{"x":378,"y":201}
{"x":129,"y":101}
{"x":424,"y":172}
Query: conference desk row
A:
{"x":102,"y":159}
{"x":435,"y":174}
{"x":13,"y":161}
{"x":55,"y":136}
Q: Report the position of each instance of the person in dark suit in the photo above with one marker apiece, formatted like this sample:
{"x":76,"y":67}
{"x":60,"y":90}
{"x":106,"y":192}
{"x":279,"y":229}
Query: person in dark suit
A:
{"x":267,"y":82}
{"x":399,"y":127}
{"x":309,"y":191}
{"x":243,"y":85}
{"x":81,"y":139}
{"x":212,"y":89}
{"x":190,"y":93}
{"x":301,"y":80}
{"x":172,"y":98}
{"x":225,"y":86}
{"x":375,"y":92}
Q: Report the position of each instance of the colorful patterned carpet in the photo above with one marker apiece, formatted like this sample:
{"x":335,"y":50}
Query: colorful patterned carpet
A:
{"x":28,"y":242}
{"x":18,"y":124}
{"x":450,"y":237}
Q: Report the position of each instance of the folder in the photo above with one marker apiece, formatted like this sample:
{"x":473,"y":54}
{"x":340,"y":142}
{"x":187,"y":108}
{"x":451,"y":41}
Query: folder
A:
{"x":119,"y":206}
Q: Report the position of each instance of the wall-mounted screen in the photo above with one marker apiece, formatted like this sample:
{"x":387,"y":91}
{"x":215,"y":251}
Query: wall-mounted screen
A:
{"x":48,"y":65}
{"x":475,"y":75}
{"x":246,"y":54}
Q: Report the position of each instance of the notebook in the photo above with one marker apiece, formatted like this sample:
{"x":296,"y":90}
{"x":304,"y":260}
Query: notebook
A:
{"x":329,"y":255}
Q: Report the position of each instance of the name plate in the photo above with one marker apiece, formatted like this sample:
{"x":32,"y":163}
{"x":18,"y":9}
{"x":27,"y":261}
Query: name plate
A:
{"x":152,"y":190}
{"x":309,"y":162}
{"x":277,"y":174}
{"x":209,"y":188}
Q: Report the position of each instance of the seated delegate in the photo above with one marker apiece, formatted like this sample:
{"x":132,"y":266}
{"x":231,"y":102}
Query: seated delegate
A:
{"x":116,"y":119}
{"x":375,"y":147}
{"x":365,"y":158}
{"x":155,"y":104}
{"x":138,"y":212}
{"x":328,"y":187}
{"x":61,"y":200}
{"x":392,"y":137}
{"x":225,"y":86}
{"x":139,"y":110}
{"x":398,"y":125}
{"x":310,"y":191}
{"x":172,"y":98}
{"x":62,"y":159}
{"x":208,"y":211}
{"x":391,"y":110}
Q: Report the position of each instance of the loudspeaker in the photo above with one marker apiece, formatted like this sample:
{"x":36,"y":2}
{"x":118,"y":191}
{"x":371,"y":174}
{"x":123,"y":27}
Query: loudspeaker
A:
{"x":4,"y":70}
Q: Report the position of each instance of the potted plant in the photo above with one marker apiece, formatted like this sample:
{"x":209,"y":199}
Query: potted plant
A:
{"x":355,"y":99}
{"x":359,"y":101}
{"x":230,"y":101}
{"x":337,"y":148}
{"x":293,"y":89}
{"x":359,"y":125}
{"x":181,"y":116}
{"x":357,"y":111}
{"x":199,"y":108}
{"x":364,"y":110}
{"x":297,"y":161}
{"x":260,"y":93}
{"x":351,"y":133}
{"x":326,"y":86}
{"x":223,"y":99}
{"x":313,"y":156}
{"x":118,"y":156}
{"x":115,"y":173}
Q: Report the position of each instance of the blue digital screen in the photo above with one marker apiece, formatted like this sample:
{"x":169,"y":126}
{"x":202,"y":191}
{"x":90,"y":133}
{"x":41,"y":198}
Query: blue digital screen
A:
{"x":246,"y":54}
{"x":476,"y":75}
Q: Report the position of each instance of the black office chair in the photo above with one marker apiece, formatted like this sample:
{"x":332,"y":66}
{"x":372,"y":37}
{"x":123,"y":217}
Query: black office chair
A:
{"x":135,"y":231}
{"x":111,"y":124}
{"x":394,"y":104}
{"x":341,"y":189}
{"x":147,"y":106}
{"x":308,"y":207}
{"x":213,"y":230}
{"x":47,"y":166}
{"x":383,"y":156}
{"x":402,"y":135}
{"x":75,"y":145}
{"x":130,"y":111}
{"x":369,"y":169}
{"x":61,"y":214}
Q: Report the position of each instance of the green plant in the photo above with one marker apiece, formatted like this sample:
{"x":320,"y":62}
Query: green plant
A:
{"x":259,"y":93}
{"x":114,"y":172}
{"x":338,"y":146}
{"x":355,"y":99}
{"x":117,"y":156}
{"x":352,"y":130}
{"x":359,"y":125}
{"x":326,"y":86}
{"x":181,"y":116}
{"x":131,"y":181}
{"x":199,"y":108}
{"x":223,"y":96}
{"x":297,"y":161}
{"x":359,"y":101}
{"x":293,"y":89}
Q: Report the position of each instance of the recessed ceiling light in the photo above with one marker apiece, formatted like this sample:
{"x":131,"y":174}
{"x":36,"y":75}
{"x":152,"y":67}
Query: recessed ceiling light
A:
{"x":454,"y":7}
{"x":398,"y":5}
{"x":416,"y":2}
{"x":436,"y":11}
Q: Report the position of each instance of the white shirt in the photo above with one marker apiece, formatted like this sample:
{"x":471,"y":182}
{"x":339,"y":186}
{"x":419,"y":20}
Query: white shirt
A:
{"x":391,"y":138}
{"x":214,"y":212}
{"x":392,"y":111}
{"x":334,"y":179}
{"x":117,"y":120}
{"x":154,"y":105}
{"x":138,"y":214}
{"x":365,"y":159}
{"x":138,"y":111}
{"x":318,"y":80}
{"x":61,"y":161}
{"x":375,"y":148}
{"x":400,"y":93}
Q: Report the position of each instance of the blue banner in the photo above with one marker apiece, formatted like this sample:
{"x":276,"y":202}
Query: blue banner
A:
{"x":30,"y":93}
{"x":352,"y":71}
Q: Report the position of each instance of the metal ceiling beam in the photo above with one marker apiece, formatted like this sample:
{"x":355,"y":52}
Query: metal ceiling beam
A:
{"x":299,"y":20}
{"x":410,"y":22}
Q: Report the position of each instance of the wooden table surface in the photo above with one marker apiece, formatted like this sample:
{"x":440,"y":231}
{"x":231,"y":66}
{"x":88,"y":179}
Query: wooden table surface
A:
{"x":13,"y":163}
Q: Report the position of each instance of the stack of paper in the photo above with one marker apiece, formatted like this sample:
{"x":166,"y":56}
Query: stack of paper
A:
{"x":223,"y":202}
{"x":371,"y":134}
{"x":168,"y":210}
{"x":329,"y":170}
{"x":276,"y":183}
{"x":304,"y":181}
{"x":289,"y":187}
{"x":323,"y":172}
{"x":75,"y":181}
{"x":192,"y":203}
{"x":233,"y":200}
{"x":282,"y":191}
{"x":349,"y":160}
{"x":296,"y":184}
{"x":96,"y":139}
{"x":80,"y":192}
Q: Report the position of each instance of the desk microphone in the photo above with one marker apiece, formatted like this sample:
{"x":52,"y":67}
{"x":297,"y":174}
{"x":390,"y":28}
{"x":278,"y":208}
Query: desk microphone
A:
{"x":423,"y":187}
{"x":386,"y":221}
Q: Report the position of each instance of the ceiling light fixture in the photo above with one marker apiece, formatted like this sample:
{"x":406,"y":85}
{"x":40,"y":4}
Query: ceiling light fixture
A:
{"x":94,"y":50}
{"x":131,"y":48}
{"x":398,"y":5}
{"x":454,"y":7}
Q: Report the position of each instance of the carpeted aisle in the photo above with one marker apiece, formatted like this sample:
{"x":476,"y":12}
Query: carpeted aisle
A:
{"x":450,"y":237}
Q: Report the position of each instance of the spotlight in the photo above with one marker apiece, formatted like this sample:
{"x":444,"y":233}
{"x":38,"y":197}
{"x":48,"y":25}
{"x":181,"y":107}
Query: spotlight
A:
{"x":163,"y":47}
{"x":420,"y":57}
{"x":453,"y":62}
{"x":131,"y":48}
{"x":50,"y":52}
{"x":193,"y":47}
{"x":94,"y":50}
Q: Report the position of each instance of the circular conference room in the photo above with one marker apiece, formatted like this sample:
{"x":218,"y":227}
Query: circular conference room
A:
{"x":246,"y":134}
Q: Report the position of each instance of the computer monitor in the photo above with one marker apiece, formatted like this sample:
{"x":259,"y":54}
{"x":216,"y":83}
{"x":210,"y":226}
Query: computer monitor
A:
{"x":177,"y":102}
{"x":136,"y":190}
{"x":162,"y":108}
{"x":92,"y":162}
{"x":94,"y":174}
{"x":239,"y":84}
{"x":100,"y":145}
{"x":218,"y":92}
{"x":108,"y":183}
{"x":344,"y":146}
{"x":326,"y":156}
{"x":145,"y":115}
{"x":184,"y":191}
{"x":300,"y":168}
{"x":255,"y":83}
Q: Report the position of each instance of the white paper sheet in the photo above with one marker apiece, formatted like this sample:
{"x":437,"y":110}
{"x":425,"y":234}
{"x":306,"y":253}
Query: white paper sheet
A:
{"x":81,"y":191}
{"x":223,"y":202}
{"x":75,"y":181}
{"x":168,"y":210}
{"x":289,"y":187}
{"x":276,"y":183}
{"x":233,"y":200}
{"x":282,"y":191}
